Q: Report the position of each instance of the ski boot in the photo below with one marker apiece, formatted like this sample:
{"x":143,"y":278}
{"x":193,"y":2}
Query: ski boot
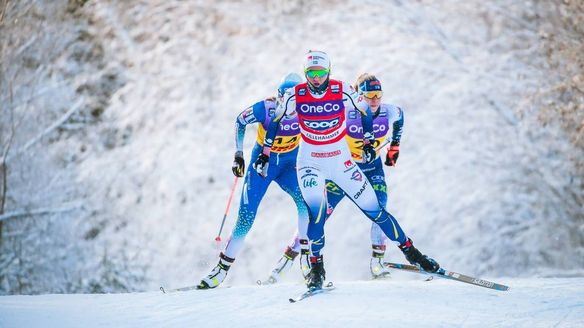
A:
{"x":415,"y":257}
{"x":378,"y":270}
{"x":218,"y":274}
{"x":283,"y":265}
{"x":317,"y":274}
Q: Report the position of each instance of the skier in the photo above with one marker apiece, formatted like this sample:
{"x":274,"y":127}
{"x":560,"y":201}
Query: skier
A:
{"x":284,"y":148}
{"x":321,"y":104}
{"x":387,"y":123}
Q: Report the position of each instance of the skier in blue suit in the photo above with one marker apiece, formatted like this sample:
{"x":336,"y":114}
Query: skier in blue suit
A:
{"x":282,"y":171}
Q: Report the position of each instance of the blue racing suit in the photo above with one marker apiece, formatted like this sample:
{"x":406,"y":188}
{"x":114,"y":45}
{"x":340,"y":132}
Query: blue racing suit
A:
{"x":387,"y":123}
{"x":282,"y":170}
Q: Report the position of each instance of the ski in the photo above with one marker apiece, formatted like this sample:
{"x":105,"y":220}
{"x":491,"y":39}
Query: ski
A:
{"x":311,"y":292}
{"x":186,"y":288}
{"x":442,"y":273}
{"x":182,"y":289}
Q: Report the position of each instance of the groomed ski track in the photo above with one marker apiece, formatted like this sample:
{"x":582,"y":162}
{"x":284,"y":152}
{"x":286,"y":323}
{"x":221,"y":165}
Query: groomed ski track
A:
{"x":545,"y":302}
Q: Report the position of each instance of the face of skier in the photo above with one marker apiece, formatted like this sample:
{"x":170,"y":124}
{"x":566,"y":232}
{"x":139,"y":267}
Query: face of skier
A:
{"x":317,"y":75}
{"x":373,"y":98}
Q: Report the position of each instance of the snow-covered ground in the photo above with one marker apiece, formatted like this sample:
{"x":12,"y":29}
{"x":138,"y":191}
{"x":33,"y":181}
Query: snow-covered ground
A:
{"x":400,"y":302}
{"x":478,"y":186}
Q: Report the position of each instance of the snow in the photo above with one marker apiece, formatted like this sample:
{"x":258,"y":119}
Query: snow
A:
{"x":478,"y":186}
{"x":403,"y":301}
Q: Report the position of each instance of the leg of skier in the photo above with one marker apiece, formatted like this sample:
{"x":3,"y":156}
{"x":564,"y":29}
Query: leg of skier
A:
{"x":358,"y":187}
{"x":312,"y":184}
{"x":377,"y":179}
{"x":289,"y":183}
{"x":253,"y":191}
{"x":300,"y":245}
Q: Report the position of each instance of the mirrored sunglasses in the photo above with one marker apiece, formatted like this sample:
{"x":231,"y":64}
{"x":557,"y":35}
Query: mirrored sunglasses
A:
{"x":373,"y":94}
{"x":317,"y":73}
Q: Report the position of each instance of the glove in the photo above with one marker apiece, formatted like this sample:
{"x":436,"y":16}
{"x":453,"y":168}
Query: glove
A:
{"x":369,"y":153}
{"x":392,"y":155}
{"x":238,"y":166}
{"x":261,"y":165}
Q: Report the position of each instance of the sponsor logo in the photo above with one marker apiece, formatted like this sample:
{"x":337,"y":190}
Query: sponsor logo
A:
{"x":356,"y":196}
{"x":326,"y":154}
{"x":333,"y":188}
{"x":377,"y":128}
{"x":309,"y":183}
{"x":379,"y":187}
{"x":374,"y":178}
{"x":349,"y":164}
{"x":314,"y":108}
{"x":352,"y":114}
{"x":335,"y":88}
{"x":283,"y":149}
{"x":369,"y":169}
{"x":320,"y":137}
{"x":483,"y":282}
{"x":302,"y":92}
{"x":308,"y":175}
{"x":321,"y":124}
{"x":357,"y":176}
{"x":291,"y":126}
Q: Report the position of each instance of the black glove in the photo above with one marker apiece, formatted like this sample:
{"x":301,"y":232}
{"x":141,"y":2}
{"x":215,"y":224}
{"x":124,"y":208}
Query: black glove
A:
{"x":369,"y":153}
{"x":392,"y":154}
{"x":238,"y":166}
{"x":261,"y":165}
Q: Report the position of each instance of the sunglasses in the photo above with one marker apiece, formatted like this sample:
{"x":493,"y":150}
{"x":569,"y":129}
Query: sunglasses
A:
{"x":316,"y":73}
{"x":373,"y":94}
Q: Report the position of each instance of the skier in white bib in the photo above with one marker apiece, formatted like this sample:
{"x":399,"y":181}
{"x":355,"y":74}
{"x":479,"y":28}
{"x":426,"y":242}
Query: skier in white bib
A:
{"x":321,"y":105}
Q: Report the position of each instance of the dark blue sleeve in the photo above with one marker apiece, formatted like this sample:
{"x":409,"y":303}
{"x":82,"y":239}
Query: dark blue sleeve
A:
{"x":398,"y":128}
{"x":367,"y":121}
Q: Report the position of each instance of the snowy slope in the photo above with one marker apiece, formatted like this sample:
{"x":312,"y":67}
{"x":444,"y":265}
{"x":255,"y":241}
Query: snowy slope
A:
{"x":401,"y":302}
{"x":477,"y":186}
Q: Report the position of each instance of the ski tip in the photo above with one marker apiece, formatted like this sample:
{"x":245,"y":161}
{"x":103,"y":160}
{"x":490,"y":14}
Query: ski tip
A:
{"x":162,"y":290}
{"x":259,"y":282}
{"x":291,"y":300}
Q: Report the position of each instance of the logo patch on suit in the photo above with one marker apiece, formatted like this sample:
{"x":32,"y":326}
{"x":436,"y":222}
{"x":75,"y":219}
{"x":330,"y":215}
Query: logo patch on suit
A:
{"x":357,"y":176}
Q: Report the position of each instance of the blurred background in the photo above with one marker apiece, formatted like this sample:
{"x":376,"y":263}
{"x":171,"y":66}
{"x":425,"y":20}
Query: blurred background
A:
{"x":116,"y":135}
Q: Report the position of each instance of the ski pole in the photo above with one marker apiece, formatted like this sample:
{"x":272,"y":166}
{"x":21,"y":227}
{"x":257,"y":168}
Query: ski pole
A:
{"x":378,"y":148}
{"x":218,"y":238}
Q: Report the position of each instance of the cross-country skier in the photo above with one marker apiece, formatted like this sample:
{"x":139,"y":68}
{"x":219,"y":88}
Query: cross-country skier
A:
{"x":282,"y":162}
{"x":321,"y":105}
{"x":387,"y":123}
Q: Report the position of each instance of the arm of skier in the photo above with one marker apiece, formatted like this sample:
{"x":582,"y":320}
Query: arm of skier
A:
{"x":351,"y":100}
{"x":287,"y":105}
{"x":393,"y":150}
{"x":253,"y":114}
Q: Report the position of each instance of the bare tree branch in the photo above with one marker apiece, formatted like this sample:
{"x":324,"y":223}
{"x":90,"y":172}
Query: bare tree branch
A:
{"x":50,"y":129}
{"x":3,"y":10}
{"x":39,"y":211}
